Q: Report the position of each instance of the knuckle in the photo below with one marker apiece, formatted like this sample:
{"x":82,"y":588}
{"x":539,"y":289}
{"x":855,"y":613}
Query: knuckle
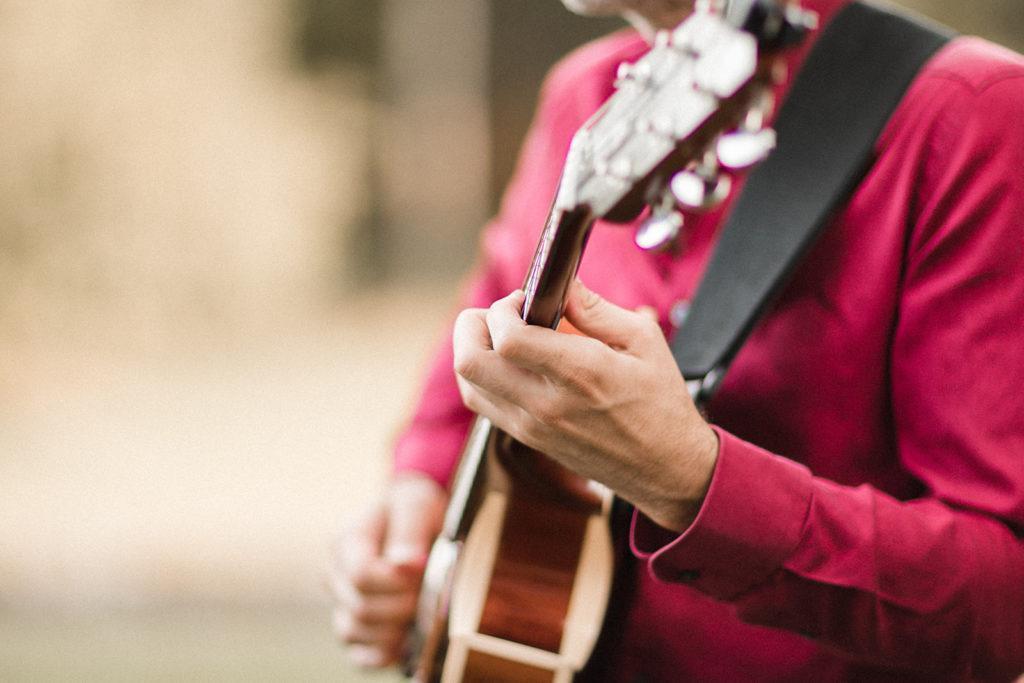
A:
{"x":589,"y":299}
{"x":466,"y":363}
{"x":545,"y":413}
{"x":648,"y":329}
{"x":466,"y":318}
{"x":360,"y":611}
{"x":362,"y":579}
{"x":508,"y":345}
{"x":407,"y":608}
{"x":585,"y":373}
{"x":470,"y":398}
{"x":520,"y":428}
{"x":465,"y":323}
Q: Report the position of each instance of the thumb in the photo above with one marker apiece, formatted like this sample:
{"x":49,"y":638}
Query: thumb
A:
{"x":648,"y":312}
{"x":413,"y":519}
{"x":596,"y":317}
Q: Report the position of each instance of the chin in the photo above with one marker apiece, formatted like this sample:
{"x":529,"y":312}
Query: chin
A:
{"x":653,"y":11}
{"x":596,"y":7}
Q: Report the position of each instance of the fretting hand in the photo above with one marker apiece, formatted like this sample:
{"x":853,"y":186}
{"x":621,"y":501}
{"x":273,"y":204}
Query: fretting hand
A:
{"x":610,"y":406}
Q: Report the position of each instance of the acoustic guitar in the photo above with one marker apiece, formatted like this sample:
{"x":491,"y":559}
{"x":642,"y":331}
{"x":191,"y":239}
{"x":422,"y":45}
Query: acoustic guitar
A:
{"x":518,"y":581}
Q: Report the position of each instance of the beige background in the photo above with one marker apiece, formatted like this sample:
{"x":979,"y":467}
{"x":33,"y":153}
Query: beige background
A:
{"x":220,"y":270}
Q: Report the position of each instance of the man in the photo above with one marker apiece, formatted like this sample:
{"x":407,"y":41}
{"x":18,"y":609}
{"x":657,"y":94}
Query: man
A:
{"x":873,"y":531}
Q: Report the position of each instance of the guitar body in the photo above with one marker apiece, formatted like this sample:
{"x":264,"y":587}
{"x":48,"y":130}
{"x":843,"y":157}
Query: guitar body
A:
{"x":508,"y":600}
{"x":521,"y":609}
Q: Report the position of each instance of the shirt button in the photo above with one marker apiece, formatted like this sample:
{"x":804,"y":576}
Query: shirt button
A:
{"x":677,"y":314}
{"x":687,"y":575}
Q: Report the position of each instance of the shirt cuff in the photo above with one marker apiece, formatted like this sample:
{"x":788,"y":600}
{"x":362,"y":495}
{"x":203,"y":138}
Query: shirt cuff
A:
{"x":750,"y":521}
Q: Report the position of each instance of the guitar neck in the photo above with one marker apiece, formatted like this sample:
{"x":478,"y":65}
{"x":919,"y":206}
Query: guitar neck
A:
{"x":554,"y":265}
{"x":552,"y":270}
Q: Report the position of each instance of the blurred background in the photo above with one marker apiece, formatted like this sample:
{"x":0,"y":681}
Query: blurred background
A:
{"x":229,"y":232}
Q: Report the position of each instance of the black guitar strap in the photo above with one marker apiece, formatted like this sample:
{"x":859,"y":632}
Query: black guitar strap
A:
{"x":849,"y":86}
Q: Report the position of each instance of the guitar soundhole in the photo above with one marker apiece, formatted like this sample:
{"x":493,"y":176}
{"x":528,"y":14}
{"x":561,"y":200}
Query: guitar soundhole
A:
{"x":534,"y":572}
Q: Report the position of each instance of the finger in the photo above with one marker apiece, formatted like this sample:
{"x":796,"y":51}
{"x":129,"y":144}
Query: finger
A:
{"x":649,"y":312}
{"x":378,"y":577}
{"x":559,"y":357}
{"x":471,"y":332}
{"x":413,"y":517}
{"x":396,"y":609}
{"x":478,"y":363}
{"x":501,"y":412}
{"x":370,"y":657}
{"x":384,"y":637}
{"x":489,"y":372}
{"x":374,"y":606}
{"x":518,"y":422}
{"x":360,"y":544}
{"x":596,"y":317}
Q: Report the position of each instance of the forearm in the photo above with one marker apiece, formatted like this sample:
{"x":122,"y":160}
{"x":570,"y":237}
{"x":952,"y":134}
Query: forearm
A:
{"x":906,"y":584}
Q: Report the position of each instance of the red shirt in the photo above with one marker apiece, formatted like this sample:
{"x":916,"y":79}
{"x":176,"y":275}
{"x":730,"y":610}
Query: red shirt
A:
{"x":874,"y":530}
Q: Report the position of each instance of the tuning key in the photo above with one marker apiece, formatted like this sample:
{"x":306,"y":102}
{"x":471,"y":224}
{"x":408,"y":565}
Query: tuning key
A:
{"x":659,"y":230}
{"x":624,"y":71}
{"x":698,"y":190}
{"x":744,"y":148}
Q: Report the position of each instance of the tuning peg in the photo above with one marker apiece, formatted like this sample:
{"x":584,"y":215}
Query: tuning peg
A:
{"x":633,"y":71}
{"x":744,"y":148}
{"x":659,"y":230}
{"x":700,"y":190}
{"x":624,"y":71}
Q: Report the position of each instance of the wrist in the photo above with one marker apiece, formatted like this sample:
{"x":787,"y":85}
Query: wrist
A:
{"x":690,"y":483}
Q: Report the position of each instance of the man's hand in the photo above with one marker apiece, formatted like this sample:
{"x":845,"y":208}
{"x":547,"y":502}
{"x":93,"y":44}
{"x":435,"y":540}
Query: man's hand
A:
{"x":377,"y":567}
{"x":611,"y":405}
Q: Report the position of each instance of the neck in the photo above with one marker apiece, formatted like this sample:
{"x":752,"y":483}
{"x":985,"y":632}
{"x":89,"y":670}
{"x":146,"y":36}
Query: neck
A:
{"x":656,"y":15}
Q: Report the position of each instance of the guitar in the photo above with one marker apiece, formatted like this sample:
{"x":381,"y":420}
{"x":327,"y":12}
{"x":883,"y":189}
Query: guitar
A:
{"x":518,"y":581}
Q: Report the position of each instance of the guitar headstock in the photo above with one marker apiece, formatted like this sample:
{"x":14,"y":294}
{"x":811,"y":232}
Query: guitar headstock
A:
{"x":696,"y":102}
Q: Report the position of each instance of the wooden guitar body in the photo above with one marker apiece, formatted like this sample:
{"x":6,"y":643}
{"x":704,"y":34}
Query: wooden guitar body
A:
{"x":521,"y":609}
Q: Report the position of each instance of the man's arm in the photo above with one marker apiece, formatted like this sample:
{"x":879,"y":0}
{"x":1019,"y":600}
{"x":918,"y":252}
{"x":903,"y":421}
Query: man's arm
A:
{"x":936,"y":582}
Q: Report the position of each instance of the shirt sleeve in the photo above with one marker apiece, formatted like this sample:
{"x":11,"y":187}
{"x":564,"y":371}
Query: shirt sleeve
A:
{"x":935,"y":583}
{"x":432,"y":440}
